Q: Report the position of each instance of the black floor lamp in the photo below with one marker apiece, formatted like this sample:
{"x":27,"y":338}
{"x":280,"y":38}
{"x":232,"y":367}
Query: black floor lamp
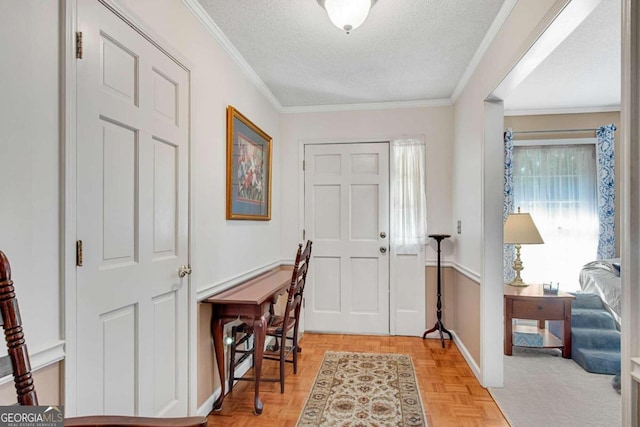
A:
{"x":439,"y":326}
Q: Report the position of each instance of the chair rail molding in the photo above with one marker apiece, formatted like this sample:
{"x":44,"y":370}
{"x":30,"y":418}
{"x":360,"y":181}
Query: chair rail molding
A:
{"x":39,"y":359}
{"x":225,"y":284}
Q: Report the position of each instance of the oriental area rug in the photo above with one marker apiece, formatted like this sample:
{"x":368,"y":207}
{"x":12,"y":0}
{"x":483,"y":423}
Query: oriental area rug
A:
{"x":362,"y":390}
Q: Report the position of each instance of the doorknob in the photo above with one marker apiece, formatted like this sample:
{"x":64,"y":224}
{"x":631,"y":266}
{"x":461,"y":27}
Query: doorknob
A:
{"x":383,"y":249}
{"x":383,"y":234}
{"x":183,"y":270}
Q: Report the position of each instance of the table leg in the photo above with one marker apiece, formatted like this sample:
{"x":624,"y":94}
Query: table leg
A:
{"x":566,"y":335}
{"x":508,"y":328}
{"x":216,"y":332}
{"x":258,"y":345}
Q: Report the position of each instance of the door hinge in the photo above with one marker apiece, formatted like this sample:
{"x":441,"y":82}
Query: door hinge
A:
{"x":304,"y":302}
{"x":303,"y":165}
{"x":79,"y":253}
{"x":79,"y":44}
{"x":304,"y":234}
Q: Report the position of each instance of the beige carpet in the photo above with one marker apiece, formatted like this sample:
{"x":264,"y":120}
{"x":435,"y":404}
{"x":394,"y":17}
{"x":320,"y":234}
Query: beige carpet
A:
{"x":543,"y":389}
{"x":364,"y":389}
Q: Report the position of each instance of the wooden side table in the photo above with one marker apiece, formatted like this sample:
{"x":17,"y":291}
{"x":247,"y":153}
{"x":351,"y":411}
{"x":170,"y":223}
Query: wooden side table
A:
{"x":531,"y":302}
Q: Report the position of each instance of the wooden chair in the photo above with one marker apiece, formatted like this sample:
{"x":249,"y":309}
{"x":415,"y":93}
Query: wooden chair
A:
{"x":283,"y":328}
{"x":23,"y":379}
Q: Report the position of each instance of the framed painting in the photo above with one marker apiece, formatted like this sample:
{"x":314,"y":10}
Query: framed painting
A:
{"x":248,"y":169}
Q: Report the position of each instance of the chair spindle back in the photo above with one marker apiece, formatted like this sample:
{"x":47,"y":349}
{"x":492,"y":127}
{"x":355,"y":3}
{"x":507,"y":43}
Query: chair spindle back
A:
{"x":14,"y":337}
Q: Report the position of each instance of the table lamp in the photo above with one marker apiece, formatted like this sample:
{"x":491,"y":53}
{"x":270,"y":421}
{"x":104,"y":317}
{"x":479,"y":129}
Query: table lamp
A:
{"x":519,"y":229}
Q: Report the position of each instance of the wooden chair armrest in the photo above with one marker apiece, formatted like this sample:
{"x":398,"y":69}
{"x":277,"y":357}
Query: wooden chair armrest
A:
{"x":113,"y":420}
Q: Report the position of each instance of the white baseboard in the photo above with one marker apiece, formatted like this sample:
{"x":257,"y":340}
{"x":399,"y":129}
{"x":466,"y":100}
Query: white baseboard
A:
{"x":467,"y":356}
{"x":465,"y":353}
{"x":205,"y":408}
{"x":434,"y":335}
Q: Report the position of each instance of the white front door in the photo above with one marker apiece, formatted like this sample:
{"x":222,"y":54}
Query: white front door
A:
{"x":132,"y":218}
{"x":346,"y":216}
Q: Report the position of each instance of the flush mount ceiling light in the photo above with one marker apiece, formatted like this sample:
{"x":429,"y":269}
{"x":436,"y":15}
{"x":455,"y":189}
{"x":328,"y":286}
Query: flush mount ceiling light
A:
{"x":347,"y":14}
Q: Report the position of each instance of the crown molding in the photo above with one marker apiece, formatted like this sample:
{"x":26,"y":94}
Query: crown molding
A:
{"x":204,"y":18}
{"x":198,"y":11}
{"x":367,"y":106}
{"x":570,"y":110}
{"x":201,"y":14}
{"x":497,"y":23}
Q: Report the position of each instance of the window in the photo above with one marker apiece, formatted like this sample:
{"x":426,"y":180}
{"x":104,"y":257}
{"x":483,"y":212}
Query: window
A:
{"x":556,"y":184}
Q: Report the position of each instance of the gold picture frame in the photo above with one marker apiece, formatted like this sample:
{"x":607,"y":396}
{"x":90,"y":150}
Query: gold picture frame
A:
{"x":248,"y":169}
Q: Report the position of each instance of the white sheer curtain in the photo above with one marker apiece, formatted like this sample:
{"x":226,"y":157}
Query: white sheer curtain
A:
{"x":408,"y":196}
{"x":557,"y":186}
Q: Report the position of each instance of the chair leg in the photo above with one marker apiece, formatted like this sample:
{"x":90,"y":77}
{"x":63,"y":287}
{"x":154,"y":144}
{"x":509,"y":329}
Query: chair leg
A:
{"x":294,"y":342}
{"x":295,"y":352}
{"x":283,"y":348}
{"x":298,"y":349}
{"x":232,"y":358}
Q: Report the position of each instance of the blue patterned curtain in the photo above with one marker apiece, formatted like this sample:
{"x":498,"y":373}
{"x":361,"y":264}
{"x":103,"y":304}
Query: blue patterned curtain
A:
{"x":605,"y":157}
{"x":509,"y":250}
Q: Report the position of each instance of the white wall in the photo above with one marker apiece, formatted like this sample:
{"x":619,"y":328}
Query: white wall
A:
{"x":30,"y":150}
{"x":511,"y":42}
{"x":477,"y":157}
{"x":223,"y":249}
{"x":29,"y":171}
{"x":435,"y":123}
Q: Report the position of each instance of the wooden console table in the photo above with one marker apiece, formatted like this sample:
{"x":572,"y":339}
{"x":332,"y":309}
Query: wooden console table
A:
{"x":531,"y":302}
{"x":250,"y":302}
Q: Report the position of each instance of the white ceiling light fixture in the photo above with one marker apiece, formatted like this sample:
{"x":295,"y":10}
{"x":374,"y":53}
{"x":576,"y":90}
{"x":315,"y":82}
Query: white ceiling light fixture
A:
{"x":347,"y":14}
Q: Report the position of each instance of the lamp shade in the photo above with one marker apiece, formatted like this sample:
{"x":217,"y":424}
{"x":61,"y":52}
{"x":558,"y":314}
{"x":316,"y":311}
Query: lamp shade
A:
{"x":520,"y":229}
{"x":347,"y":15}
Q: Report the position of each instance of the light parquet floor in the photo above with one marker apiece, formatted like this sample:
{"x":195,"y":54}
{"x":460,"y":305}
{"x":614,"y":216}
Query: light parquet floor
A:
{"x":451,"y":395}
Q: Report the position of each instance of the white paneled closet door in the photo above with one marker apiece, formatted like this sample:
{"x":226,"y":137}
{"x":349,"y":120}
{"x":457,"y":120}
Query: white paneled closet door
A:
{"x":132,"y":217}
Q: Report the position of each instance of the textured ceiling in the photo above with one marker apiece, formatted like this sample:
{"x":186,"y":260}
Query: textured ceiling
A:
{"x":583,"y":72}
{"x":406,"y":50}
{"x":410,"y":50}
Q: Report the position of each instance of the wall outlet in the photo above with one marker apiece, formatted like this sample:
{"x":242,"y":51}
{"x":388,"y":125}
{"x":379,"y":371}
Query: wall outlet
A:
{"x":459,"y":227}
